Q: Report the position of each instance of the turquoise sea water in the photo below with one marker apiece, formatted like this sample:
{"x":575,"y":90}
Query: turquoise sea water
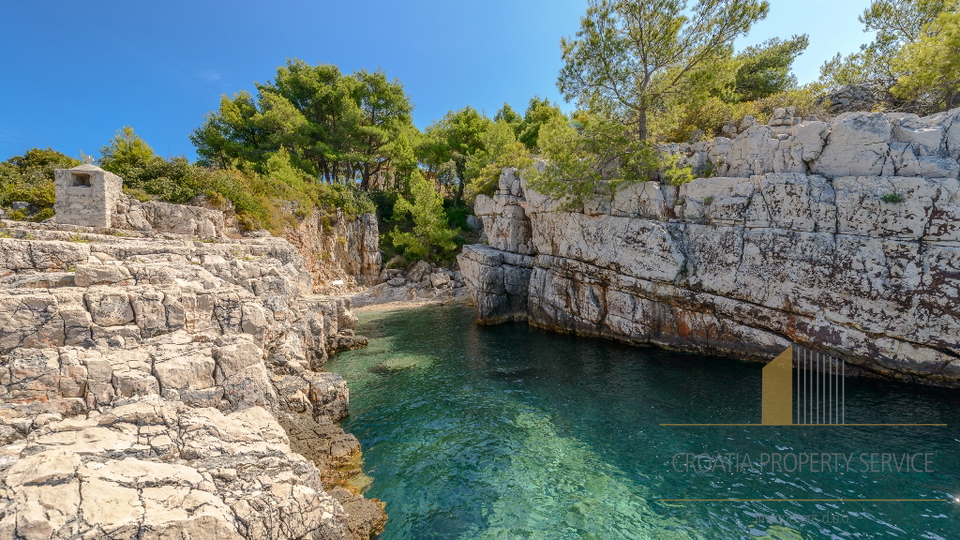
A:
{"x":508,"y":432}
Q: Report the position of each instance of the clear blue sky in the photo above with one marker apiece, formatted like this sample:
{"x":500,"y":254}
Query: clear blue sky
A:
{"x":74,"y":72}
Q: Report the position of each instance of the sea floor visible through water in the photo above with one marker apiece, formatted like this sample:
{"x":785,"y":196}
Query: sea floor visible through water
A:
{"x":509,"y":432}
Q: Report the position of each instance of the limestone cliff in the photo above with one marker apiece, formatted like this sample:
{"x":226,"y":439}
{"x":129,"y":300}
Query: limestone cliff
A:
{"x":843,"y":237}
{"x":158,"y":386}
{"x":337,"y":247}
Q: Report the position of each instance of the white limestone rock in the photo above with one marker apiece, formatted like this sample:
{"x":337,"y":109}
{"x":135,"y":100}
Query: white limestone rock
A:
{"x":95,"y":477}
{"x":159,"y":360}
{"x":858,"y":145}
{"x":924,"y":137}
{"x":863,"y":265}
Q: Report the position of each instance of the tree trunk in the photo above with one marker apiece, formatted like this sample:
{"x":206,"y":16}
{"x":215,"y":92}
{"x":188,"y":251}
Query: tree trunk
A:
{"x":460,"y":182}
{"x":459,"y":194}
{"x":365,"y":178}
{"x":642,"y":123}
{"x":326,"y":172}
{"x":951,"y":100}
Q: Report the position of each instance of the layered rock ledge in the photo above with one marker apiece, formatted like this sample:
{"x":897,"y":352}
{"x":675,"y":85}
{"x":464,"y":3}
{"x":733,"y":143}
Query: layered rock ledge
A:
{"x":156,"y":385}
{"x":842,"y":237}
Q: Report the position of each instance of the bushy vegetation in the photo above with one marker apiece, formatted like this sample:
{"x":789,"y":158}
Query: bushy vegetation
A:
{"x":29,"y":178}
{"x":430,"y":236}
{"x":334,"y":127}
{"x":666,"y":71}
{"x":315,"y":135}
{"x":705,"y":119}
{"x":640,"y":73}
{"x":257,"y":197}
{"x":644,"y":72}
{"x":592,"y":155}
{"x":893,"y":197}
{"x":912,"y":64}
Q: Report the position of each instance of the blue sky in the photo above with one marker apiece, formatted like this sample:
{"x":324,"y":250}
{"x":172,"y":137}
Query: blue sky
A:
{"x":74,"y":72}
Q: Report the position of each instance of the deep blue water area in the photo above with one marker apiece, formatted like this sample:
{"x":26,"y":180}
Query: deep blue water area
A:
{"x":509,"y":432}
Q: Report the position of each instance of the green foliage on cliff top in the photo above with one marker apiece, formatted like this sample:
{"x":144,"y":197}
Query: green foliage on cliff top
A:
{"x":704,"y":119}
{"x":930,"y":66}
{"x":341,"y":128}
{"x":500,"y":149}
{"x":29,"y":178}
{"x":258,"y":197}
{"x":911,"y":64}
{"x":591,"y":156}
{"x":630,"y":58}
{"x":465,"y":150}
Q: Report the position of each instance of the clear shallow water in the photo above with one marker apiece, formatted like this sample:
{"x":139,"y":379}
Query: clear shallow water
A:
{"x":508,"y":432}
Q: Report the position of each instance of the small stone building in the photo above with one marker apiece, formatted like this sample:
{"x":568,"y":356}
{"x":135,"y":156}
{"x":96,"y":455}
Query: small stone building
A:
{"x":86,"y":195}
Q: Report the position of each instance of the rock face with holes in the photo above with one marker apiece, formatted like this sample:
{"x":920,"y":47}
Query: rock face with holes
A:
{"x":843,"y":237}
{"x":153,"y":386}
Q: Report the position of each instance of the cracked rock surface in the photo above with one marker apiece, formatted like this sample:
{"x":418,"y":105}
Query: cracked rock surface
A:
{"x":151,"y":385}
{"x":841,"y":237}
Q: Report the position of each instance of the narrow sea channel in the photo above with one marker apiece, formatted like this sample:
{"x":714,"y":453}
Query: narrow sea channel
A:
{"x":508,"y":432}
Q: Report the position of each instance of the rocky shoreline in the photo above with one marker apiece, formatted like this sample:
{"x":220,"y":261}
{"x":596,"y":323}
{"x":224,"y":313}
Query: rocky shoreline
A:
{"x":842,"y":237}
{"x":159,"y":385}
{"x":423,"y":284}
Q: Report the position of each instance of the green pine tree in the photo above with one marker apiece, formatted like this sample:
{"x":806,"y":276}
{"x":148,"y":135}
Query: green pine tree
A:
{"x":431,"y":237}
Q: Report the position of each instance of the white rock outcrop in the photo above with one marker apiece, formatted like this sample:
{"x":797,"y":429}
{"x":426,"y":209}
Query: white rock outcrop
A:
{"x":156,"y":386}
{"x":860,"y":259}
{"x":852,"y":144}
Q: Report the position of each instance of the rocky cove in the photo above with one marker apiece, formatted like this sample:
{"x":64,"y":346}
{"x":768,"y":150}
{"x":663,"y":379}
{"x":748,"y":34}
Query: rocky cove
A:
{"x":839,"y":236}
{"x":164,"y":377}
{"x":161,"y":378}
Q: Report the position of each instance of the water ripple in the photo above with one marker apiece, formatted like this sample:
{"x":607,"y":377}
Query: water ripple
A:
{"x":506,"y":432}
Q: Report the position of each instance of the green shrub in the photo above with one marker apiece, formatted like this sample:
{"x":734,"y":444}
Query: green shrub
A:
{"x":673,"y":173}
{"x":216,"y":199}
{"x":893,"y":198}
{"x":430,"y":237}
{"x":457,"y":215}
{"x":709,"y":171}
{"x":43,"y":214}
{"x":589,"y":156}
{"x":29,"y":178}
{"x":248,"y":222}
{"x":257,"y":196}
{"x":137,"y":194}
{"x":685,"y":119}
